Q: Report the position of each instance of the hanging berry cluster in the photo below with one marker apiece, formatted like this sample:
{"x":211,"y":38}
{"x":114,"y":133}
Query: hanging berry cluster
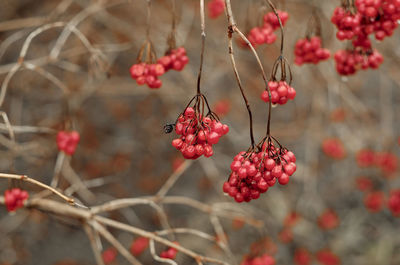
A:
{"x":387,"y":162}
{"x":279,"y":91}
{"x":310,"y":50}
{"x":14,"y":199}
{"x":198,"y":130}
{"x":348,"y":62}
{"x":175,"y":59}
{"x":215,"y":8}
{"x":266,"y":33}
{"x":147,"y":70}
{"x":254,"y":171}
{"x":334,"y":148}
{"x":67,"y":141}
{"x":356,"y":21}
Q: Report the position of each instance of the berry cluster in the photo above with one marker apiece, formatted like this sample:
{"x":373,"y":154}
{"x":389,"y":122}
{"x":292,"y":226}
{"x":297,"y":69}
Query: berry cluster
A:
{"x":198,"y":134}
{"x":147,"y":74}
{"x":215,"y":8}
{"x":109,"y":255}
{"x":170,"y":253}
{"x":148,"y":69}
{"x":333,"y":147}
{"x":15,"y":198}
{"x":394,"y":202}
{"x":281,"y":92}
{"x":253,"y":172}
{"x":378,"y":17}
{"x":302,"y":257}
{"x":139,"y":245}
{"x":327,"y":257}
{"x":348,"y":62}
{"x":374,"y":201}
{"x":309,"y":50}
{"x":175,"y":59}
{"x":266,"y":33}
{"x":387,"y":162}
{"x":67,"y":141}
{"x":372,"y":17}
{"x":328,"y":220}
{"x":260,"y":260}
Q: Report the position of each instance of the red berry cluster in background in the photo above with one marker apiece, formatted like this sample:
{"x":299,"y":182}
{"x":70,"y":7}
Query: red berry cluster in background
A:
{"x":147,"y":74}
{"x":327,"y":257}
{"x":394,"y":202}
{"x":374,"y":201}
{"x":266,"y":33}
{"x":348,"y":62}
{"x":15,"y":198}
{"x":309,"y":50}
{"x":109,"y":255}
{"x":281,"y":92}
{"x":328,"y":220}
{"x":261,"y":260}
{"x":67,"y":141}
{"x":378,"y":17}
{"x":139,"y":245}
{"x":387,"y":162}
{"x":170,"y":253}
{"x":334,"y":148}
{"x":215,"y":8}
{"x":302,"y":257}
{"x":175,"y":59}
{"x":364,"y":184}
{"x":197,"y":134}
{"x":254,"y":172}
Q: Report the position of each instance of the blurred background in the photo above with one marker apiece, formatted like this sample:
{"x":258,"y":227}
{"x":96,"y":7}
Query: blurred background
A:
{"x":334,"y":209}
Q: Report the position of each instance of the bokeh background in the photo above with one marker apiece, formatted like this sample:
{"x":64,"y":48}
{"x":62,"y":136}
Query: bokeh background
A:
{"x":124,"y":151}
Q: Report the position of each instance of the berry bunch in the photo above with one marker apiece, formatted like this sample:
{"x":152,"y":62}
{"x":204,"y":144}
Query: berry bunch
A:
{"x":261,"y":35}
{"x":198,"y":133}
{"x":139,"y":245}
{"x":309,"y":50}
{"x":394,"y":202}
{"x":148,"y":74}
{"x":67,"y":141}
{"x":14,"y":199}
{"x":175,"y":59}
{"x":266,"y":33}
{"x":271,"y":19}
{"x":333,"y":147}
{"x":253,"y":172}
{"x":109,"y":255}
{"x":348,"y":62}
{"x":281,"y":92}
{"x":260,"y":260}
{"x":378,"y":17}
{"x":364,"y":184}
{"x":374,"y":201}
{"x":387,"y":162}
{"x":215,"y":8}
{"x":148,"y":69}
{"x":170,"y":253}
{"x":369,"y":8}
{"x":327,"y":257}
{"x":328,"y":220}
{"x":348,"y":24}
{"x":365,"y":158}
{"x":302,"y":257}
